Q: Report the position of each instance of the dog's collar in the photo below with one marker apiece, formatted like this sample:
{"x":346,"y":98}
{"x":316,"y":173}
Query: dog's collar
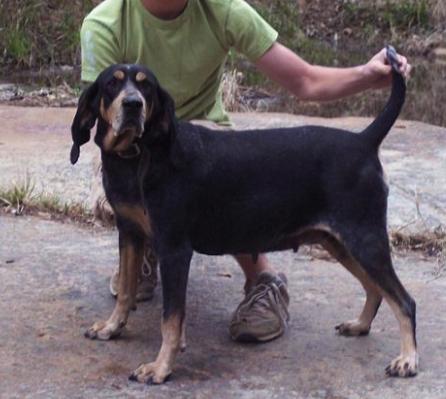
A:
{"x":132,"y":152}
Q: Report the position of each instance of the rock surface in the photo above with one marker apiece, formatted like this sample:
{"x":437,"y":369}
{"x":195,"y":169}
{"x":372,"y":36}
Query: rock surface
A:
{"x":54,"y":279}
{"x":37,"y":141}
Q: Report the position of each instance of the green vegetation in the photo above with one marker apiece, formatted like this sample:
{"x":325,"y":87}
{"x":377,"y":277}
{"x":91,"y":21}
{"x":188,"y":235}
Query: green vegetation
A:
{"x":343,"y":32}
{"x":17,"y":196}
{"x":407,"y":15}
{"x":18,"y":46}
{"x":431,"y":243}
{"x":394,"y":19}
{"x":37,"y":33}
{"x":22,"y":198}
{"x":282,"y":14}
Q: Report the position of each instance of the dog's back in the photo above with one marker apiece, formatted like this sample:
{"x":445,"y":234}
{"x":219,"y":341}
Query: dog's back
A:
{"x":254,"y":188}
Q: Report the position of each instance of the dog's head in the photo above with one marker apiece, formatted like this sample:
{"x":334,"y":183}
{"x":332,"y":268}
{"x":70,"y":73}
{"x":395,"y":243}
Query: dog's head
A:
{"x":129,"y":105}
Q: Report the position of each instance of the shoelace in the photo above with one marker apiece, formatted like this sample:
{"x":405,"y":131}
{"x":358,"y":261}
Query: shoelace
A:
{"x":269,"y":296}
{"x":146,"y":269}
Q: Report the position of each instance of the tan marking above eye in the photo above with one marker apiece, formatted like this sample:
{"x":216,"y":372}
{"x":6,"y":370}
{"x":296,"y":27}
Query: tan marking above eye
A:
{"x":119,"y":74}
{"x":140,"y":76}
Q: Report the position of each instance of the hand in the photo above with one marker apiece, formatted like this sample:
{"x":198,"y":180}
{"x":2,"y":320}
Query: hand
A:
{"x":378,"y":70}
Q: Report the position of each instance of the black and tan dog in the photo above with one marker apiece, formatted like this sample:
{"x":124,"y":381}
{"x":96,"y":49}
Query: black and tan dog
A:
{"x":187,"y":188}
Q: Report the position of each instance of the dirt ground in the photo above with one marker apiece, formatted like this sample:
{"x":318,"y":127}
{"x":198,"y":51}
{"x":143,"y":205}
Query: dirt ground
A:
{"x":54,"y":286}
{"x":54,"y":279}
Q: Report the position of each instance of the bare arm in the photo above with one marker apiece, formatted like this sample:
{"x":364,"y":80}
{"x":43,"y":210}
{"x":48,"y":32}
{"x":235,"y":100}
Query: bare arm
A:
{"x":312,"y":82}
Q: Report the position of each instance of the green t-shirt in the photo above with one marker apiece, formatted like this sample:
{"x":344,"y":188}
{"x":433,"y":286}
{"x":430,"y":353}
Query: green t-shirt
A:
{"x":187,"y":54}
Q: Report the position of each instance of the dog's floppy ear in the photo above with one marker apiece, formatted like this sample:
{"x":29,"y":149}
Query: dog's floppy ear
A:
{"x":84,"y":120}
{"x":162,"y":124}
{"x":167,"y":119}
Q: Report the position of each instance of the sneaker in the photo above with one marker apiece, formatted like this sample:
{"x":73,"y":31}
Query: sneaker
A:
{"x":147,"y":280}
{"x":263,"y":314}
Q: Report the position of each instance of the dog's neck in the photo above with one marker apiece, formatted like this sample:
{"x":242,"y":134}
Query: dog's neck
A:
{"x":166,"y":10}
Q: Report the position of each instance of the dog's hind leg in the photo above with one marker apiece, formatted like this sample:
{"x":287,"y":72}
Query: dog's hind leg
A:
{"x":131,"y":252}
{"x":362,"y":324}
{"x":369,"y":246}
{"x":174,"y":269}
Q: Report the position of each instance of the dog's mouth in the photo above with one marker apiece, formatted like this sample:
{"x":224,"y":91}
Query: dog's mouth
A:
{"x":125,"y":128}
{"x":131,"y":124}
{"x":120,"y":140}
{"x":124,"y":137}
{"x":125,"y":142}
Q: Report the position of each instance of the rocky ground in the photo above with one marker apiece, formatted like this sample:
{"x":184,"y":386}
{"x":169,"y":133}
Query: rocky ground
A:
{"x":55,"y":275}
{"x":55,"y":285}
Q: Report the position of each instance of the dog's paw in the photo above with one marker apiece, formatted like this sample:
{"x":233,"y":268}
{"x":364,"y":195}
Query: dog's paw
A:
{"x":352,"y":328}
{"x":403,"y":366}
{"x":150,"y":373}
{"x":104,"y":330}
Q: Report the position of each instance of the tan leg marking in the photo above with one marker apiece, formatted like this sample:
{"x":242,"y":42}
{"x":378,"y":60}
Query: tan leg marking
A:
{"x":406,"y":364}
{"x":129,"y":261}
{"x":361,"y":325}
{"x":157,"y":371}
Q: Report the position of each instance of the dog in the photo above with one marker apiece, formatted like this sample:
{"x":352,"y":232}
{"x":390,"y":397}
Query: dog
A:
{"x":186,"y":188}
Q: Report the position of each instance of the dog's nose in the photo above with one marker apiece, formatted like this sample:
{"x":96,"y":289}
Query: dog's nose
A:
{"x":132,"y":103}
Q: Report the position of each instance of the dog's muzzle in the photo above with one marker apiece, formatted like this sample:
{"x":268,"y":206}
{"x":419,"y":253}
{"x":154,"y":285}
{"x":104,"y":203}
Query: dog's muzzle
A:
{"x":132,"y":116}
{"x":131,"y":128}
{"x":132,"y":104}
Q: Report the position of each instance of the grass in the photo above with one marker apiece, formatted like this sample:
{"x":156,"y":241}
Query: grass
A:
{"x":52,"y":204}
{"x":44,"y":33}
{"x":406,"y":15}
{"x":370,"y":24}
{"x":37,"y":33}
{"x":438,"y":8}
{"x":231,"y":91}
{"x":18,"y":196}
{"x":18,"y":46}
{"x":432,"y":243}
{"x":400,"y":16}
{"x":282,"y":14}
{"x":21,"y":198}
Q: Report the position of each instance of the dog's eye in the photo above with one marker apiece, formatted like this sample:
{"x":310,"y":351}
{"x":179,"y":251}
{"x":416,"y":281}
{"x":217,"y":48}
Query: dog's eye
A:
{"x":113,"y":84}
{"x":144,"y":85}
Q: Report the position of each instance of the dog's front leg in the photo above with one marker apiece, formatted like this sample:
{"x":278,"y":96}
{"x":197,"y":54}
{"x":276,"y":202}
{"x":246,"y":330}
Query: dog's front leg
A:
{"x":131,"y":252}
{"x":174,"y":274}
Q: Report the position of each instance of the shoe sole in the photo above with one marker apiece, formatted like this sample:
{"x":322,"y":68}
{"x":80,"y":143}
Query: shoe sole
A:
{"x":246,"y":337}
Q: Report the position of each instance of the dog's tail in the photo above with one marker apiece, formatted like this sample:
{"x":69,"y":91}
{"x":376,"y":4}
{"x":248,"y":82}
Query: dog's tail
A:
{"x":378,"y":129}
